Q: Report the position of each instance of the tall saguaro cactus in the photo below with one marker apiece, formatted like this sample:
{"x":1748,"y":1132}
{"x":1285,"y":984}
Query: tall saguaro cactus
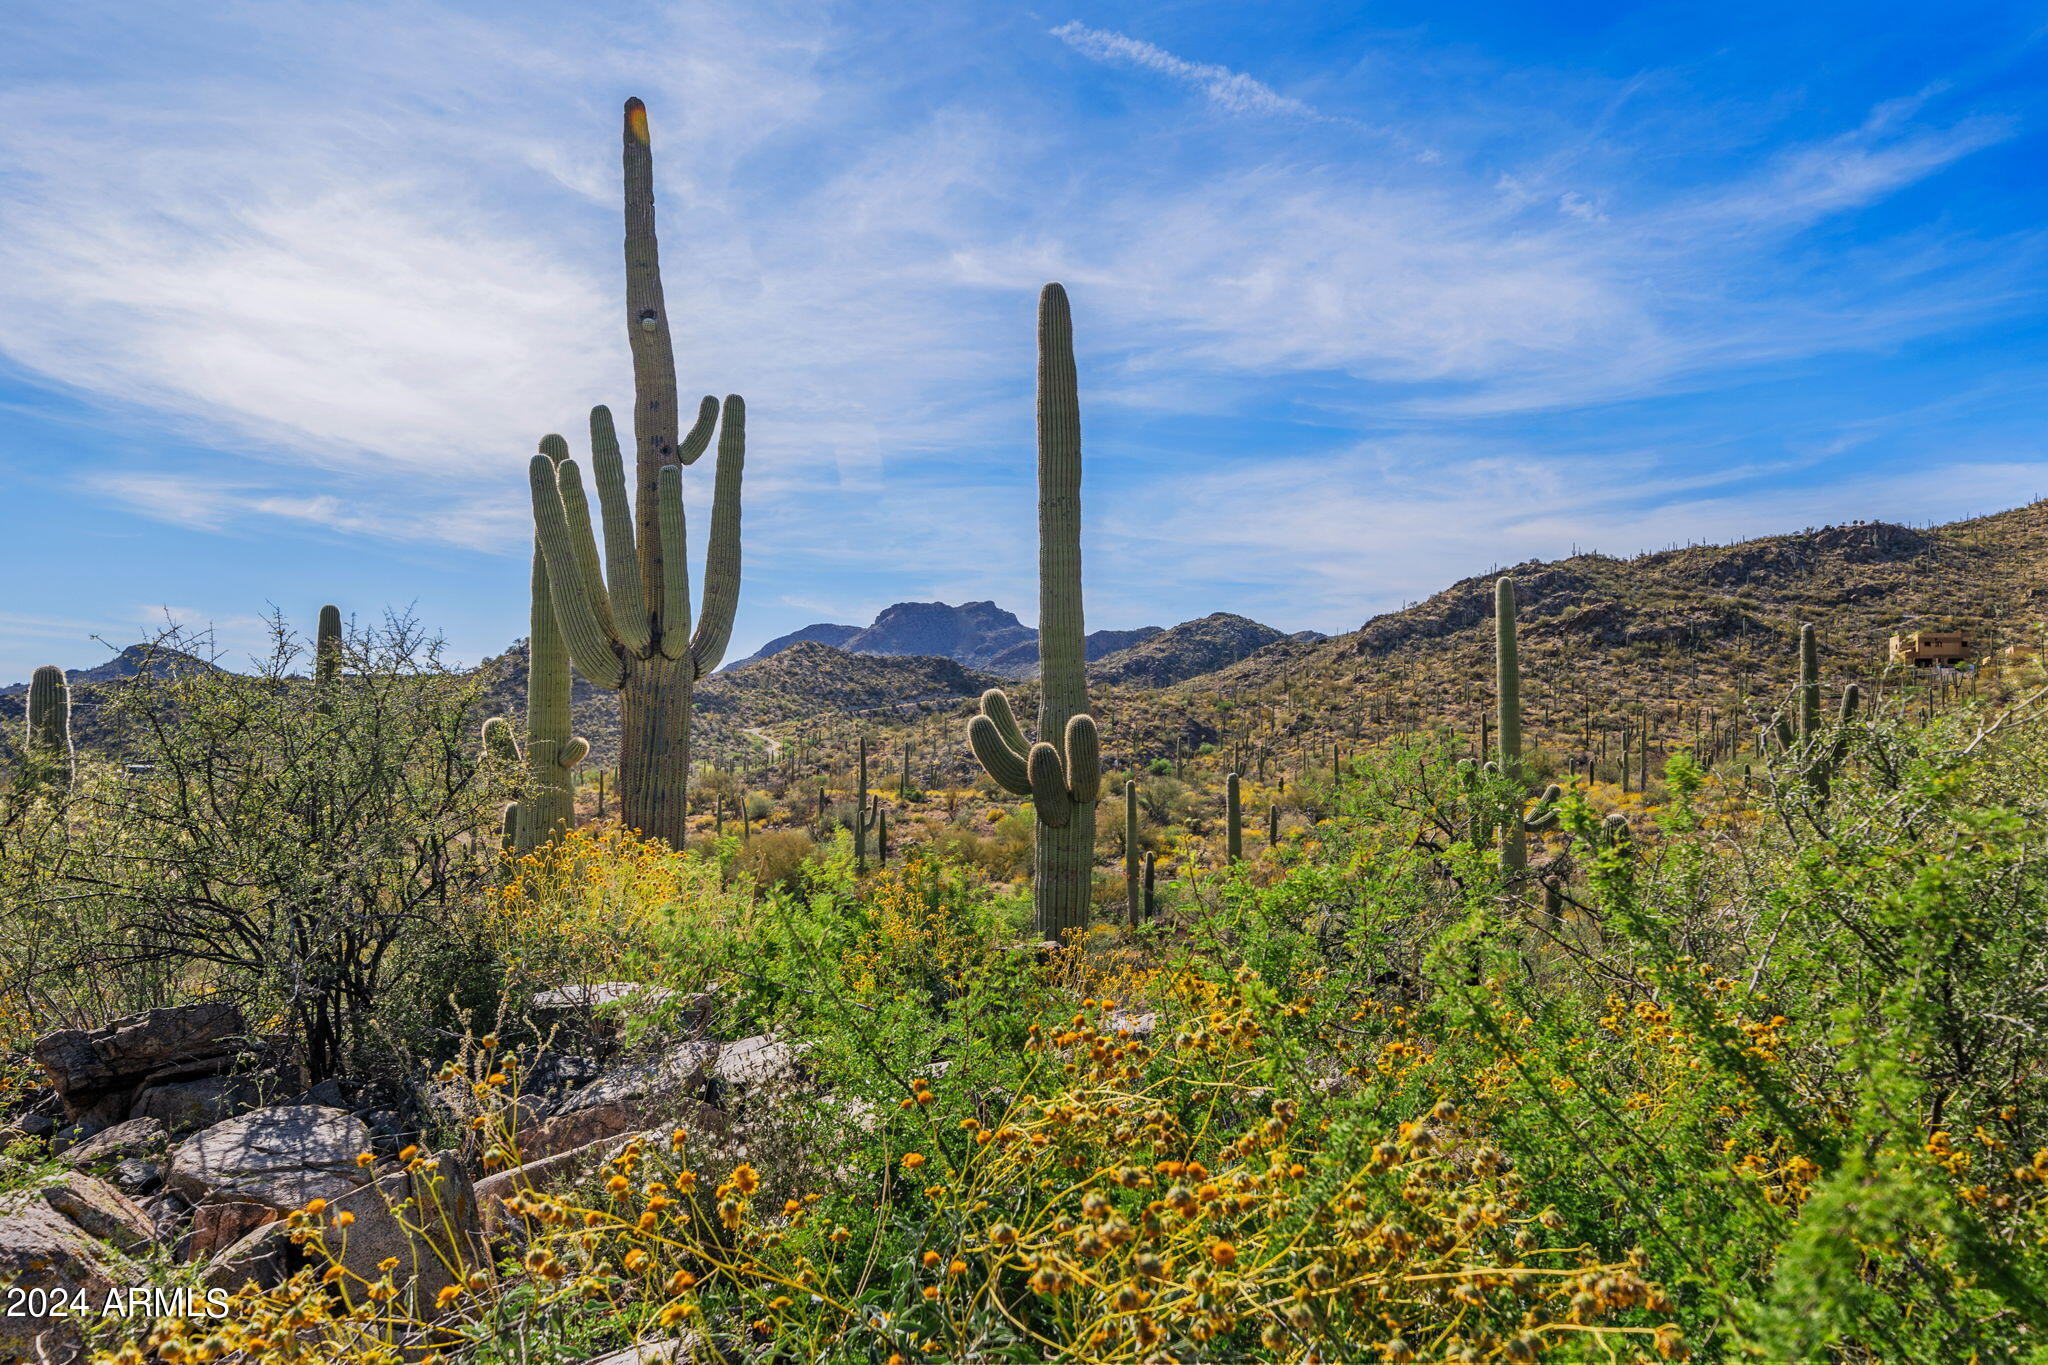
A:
{"x":1062,"y":772}
{"x":627,"y":621}
{"x":49,"y":749}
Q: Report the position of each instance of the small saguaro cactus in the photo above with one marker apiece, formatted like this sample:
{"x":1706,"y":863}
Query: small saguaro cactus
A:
{"x":551,"y":754}
{"x":627,"y":620}
{"x":1062,"y":772}
{"x":1233,"y":813}
{"x":1517,"y":827}
{"x":1803,"y":742}
{"x":49,"y":753}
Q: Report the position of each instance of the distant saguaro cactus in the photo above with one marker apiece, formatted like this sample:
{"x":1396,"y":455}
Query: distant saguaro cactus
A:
{"x":627,"y":623}
{"x":1233,"y":809}
{"x":1131,"y":905}
{"x":50,"y":756}
{"x":327,"y":646}
{"x":1516,"y":828}
{"x":1062,"y":774}
{"x":1804,"y":742}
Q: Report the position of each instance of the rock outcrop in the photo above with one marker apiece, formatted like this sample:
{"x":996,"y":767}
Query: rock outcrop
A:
{"x":98,"y":1072}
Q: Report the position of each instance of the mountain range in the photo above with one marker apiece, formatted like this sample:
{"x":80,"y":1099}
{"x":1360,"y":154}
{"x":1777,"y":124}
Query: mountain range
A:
{"x":1601,"y":636}
{"x":978,"y":634}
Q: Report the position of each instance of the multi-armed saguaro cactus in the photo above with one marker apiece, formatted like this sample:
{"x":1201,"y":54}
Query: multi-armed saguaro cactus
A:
{"x":1516,"y":828}
{"x":1062,"y":774}
{"x":1802,"y":740}
{"x":551,"y":755}
{"x":49,"y":753}
{"x":627,"y":624}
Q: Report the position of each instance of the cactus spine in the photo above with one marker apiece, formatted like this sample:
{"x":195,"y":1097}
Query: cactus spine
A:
{"x":1062,"y":772}
{"x":627,"y":621}
{"x":51,"y":759}
{"x":1515,"y":831}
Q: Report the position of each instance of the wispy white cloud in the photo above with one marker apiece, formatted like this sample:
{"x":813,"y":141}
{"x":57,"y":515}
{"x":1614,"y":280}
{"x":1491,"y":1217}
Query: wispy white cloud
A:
{"x":1231,"y":91}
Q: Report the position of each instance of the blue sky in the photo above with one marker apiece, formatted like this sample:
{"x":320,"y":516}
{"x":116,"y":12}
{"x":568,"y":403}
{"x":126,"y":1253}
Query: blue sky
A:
{"x":1367,"y":298}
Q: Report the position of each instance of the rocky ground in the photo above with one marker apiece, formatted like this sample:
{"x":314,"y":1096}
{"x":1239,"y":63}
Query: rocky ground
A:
{"x":178,"y":1139}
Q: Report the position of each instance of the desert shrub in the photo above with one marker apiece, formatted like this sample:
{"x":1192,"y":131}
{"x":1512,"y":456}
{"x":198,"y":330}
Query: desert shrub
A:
{"x":773,"y":857}
{"x":313,"y":851}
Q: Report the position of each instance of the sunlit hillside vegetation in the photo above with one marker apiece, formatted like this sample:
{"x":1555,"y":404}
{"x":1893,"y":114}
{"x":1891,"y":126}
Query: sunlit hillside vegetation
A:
{"x":1751,"y":1072}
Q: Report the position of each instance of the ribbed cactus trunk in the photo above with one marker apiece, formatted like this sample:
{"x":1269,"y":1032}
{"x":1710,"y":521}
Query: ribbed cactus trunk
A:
{"x":327,"y":646}
{"x":1065,"y":856}
{"x":1507,"y":672}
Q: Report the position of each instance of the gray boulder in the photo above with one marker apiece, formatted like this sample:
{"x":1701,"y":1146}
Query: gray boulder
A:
{"x":425,"y":1217}
{"x":282,"y":1158}
{"x":143,"y":1137}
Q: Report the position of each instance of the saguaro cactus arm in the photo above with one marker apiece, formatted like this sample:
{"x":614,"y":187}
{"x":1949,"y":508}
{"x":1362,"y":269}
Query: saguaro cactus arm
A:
{"x":622,"y":566}
{"x":995,"y":704}
{"x":576,"y":513}
{"x":697,"y":439}
{"x":590,"y":646}
{"x":722,"y":562}
{"x":1084,"y":759}
{"x":1049,"y":795}
{"x":1003,"y":763}
{"x":1545,"y":815}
